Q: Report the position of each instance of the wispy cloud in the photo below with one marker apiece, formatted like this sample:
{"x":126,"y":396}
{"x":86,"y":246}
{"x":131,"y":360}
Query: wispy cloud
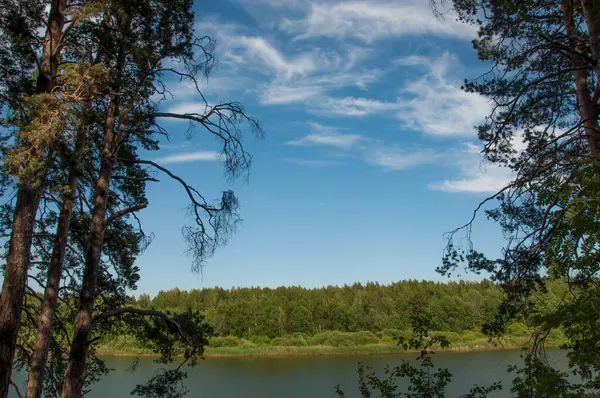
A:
{"x":337,"y":140}
{"x":190,"y":157}
{"x":259,"y":47}
{"x":189,"y":107}
{"x":328,"y":136}
{"x":368,"y":21}
{"x":290,"y":74}
{"x":353,"y":106}
{"x":475,"y":176}
{"x":365,"y":149}
{"x":312,"y":162}
{"x":402,"y":158}
{"x":436,"y":104}
{"x":290,"y":94}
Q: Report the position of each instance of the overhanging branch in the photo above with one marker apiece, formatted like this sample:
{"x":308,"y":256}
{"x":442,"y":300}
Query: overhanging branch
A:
{"x":123,"y":212}
{"x":137,"y":311}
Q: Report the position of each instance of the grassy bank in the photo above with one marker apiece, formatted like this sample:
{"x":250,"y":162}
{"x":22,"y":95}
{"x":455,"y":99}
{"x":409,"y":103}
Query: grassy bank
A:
{"x":328,"y":343}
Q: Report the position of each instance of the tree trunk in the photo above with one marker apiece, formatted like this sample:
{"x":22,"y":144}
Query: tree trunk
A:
{"x":35,"y":382}
{"x":591,"y":14}
{"x":75,"y":374}
{"x":28,"y":198}
{"x":588,"y":109}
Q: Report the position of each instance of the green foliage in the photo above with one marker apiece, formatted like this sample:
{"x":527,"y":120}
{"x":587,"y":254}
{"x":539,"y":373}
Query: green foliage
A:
{"x":424,"y":380}
{"x":343,"y":339}
{"x":229,"y":341}
{"x":291,"y":340}
{"x":518,"y":329}
{"x":247,"y":312}
{"x":260,"y":340}
{"x":165,"y":383}
{"x":543,"y":83}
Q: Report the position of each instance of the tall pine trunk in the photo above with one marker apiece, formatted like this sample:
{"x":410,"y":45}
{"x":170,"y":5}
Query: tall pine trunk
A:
{"x":591,"y":14}
{"x":75,"y":373}
{"x":35,"y":382}
{"x":28,"y":198}
{"x":588,"y":109}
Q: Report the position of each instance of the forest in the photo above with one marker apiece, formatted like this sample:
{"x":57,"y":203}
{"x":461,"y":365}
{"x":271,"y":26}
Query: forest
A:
{"x":255,"y":313}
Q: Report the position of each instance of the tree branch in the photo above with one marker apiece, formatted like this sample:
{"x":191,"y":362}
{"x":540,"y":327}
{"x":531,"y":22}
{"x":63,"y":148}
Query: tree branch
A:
{"x":123,"y":212}
{"x":12,"y":383}
{"x":138,"y":311}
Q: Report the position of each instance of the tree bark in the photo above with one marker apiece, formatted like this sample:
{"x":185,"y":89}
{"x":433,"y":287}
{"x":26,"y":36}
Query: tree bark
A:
{"x":588,"y":109}
{"x":35,"y":381}
{"x":591,"y":14}
{"x":28,"y":198}
{"x":75,"y":373}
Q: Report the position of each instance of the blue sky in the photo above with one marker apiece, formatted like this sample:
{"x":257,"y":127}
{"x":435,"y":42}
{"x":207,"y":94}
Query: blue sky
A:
{"x":370,"y":153}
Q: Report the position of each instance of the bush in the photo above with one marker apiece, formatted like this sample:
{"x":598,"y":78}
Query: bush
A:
{"x":388,"y":340}
{"x":260,"y":340}
{"x":343,"y":339}
{"x":393,"y":333}
{"x":229,"y":341}
{"x":518,"y":329}
{"x":290,"y":340}
{"x":364,"y":338}
{"x":470,"y":335}
{"x":452,"y":337}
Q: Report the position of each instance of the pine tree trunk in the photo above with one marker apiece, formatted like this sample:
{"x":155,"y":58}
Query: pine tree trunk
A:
{"x":82,"y":329}
{"x":591,"y":13}
{"x":75,"y":374}
{"x":28,"y":198}
{"x":588,"y":109}
{"x":35,"y":381}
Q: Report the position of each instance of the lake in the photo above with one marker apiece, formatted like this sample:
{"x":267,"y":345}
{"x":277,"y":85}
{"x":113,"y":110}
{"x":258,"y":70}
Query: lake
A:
{"x":306,"y":377}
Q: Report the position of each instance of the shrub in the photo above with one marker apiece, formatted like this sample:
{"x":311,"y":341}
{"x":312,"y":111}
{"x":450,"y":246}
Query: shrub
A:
{"x":260,"y":340}
{"x":364,"y":337}
{"x":343,"y":339}
{"x":452,"y":337}
{"x":388,"y":340}
{"x":229,"y":341}
{"x":393,"y":333}
{"x":470,"y":335}
{"x":518,"y":329}
{"x":290,"y":340}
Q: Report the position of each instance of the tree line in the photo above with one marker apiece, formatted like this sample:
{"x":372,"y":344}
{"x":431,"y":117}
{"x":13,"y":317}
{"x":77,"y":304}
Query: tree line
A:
{"x":251,"y":312}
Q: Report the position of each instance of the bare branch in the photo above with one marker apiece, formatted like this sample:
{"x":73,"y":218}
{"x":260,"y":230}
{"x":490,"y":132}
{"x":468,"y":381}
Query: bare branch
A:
{"x":17,"y":391}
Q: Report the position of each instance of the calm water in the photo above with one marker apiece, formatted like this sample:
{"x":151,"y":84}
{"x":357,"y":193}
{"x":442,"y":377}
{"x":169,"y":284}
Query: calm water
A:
{"x":305,"y":377}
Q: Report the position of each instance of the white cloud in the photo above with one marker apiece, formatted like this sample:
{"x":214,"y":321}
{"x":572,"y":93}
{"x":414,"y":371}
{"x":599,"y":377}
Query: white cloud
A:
{"x":189,"y":107}
{"x":259,"y":47}
{"x":475,"y":176}
{"x":312,"y":162}
{"x":290,"y":74}
{"x":289,"y":94}
{"x":371,"y":20}
{"x":353,"y":106}
{"x":190,"y":157}
{"x":438,"y":106}
{"x":401,"y":159}
{"x":338,"y":140}
{"x":327,"y":136}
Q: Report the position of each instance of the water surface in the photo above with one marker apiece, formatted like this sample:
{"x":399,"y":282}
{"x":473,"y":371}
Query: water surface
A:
{"x":306,"y":377}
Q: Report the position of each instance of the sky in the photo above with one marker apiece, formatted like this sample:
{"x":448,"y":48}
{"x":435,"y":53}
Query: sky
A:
{"x":370,"y":153}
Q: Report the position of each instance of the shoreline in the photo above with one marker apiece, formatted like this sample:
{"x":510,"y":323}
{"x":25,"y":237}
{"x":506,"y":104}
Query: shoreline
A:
{"x":308,"y":351}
